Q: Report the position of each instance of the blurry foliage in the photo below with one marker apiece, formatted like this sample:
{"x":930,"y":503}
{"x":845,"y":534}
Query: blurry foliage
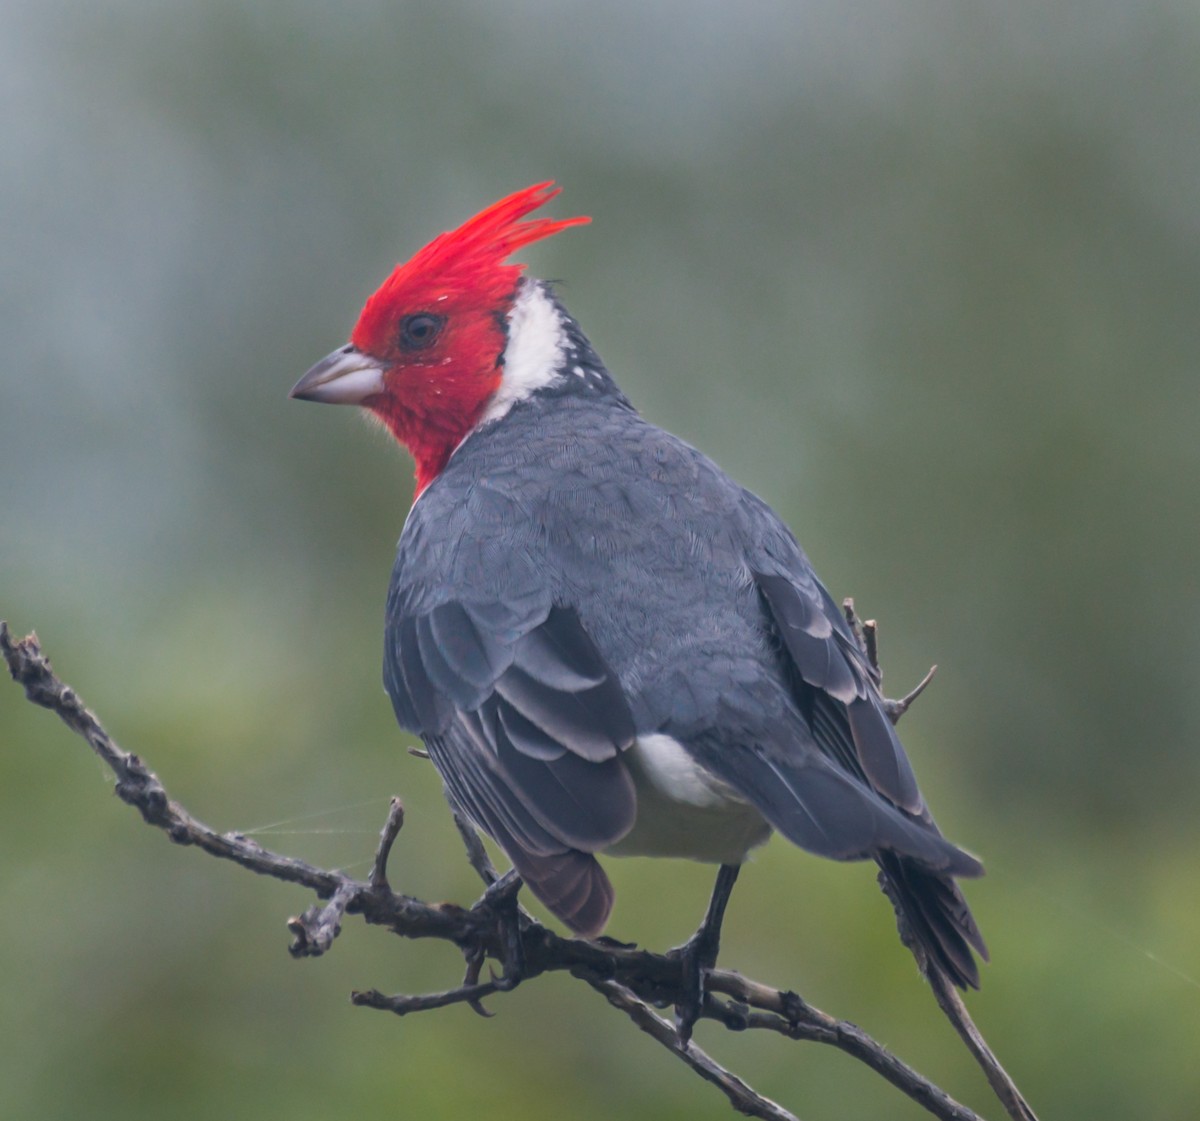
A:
{"x":925,"y":278}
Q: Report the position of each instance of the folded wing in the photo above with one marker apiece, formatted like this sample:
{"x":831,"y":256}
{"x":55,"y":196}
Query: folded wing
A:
{"x":526,"y":723}
{"x":870,"y":789}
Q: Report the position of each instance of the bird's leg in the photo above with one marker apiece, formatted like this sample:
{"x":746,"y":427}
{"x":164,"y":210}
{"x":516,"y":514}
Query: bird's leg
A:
{"x":501,"y":899}
{"x":699,"y":954}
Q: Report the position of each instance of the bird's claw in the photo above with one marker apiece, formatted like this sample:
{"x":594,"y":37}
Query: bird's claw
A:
{"x":471,"y":979}
{"x":697,"y":958}
{"x":501,"y":899}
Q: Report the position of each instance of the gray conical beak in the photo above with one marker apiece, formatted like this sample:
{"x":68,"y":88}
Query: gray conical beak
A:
{"x":345,"y":377}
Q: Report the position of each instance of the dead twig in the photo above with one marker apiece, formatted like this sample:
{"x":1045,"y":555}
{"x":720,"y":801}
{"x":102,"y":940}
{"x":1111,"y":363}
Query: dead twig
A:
{"x":387,"y":838}
{"x":945,"y":994}
{"x":743,"y":1097}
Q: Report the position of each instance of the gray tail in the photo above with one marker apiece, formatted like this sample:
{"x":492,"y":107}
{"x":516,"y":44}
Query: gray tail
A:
{"x":934,"y":919}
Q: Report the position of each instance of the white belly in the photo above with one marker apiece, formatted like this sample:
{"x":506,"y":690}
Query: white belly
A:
{"x":685,"y":811}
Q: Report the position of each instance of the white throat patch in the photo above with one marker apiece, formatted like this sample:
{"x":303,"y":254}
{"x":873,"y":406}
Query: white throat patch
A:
{"x":534,"y":355}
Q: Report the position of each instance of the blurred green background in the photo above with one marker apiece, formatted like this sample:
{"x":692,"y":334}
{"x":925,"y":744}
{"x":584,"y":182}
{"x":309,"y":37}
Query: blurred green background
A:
{"x":926,"y":277}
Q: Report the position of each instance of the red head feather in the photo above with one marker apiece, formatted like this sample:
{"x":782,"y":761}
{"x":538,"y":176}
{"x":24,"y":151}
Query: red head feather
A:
{"x":467,"y":261}
{"x":461,"y":287}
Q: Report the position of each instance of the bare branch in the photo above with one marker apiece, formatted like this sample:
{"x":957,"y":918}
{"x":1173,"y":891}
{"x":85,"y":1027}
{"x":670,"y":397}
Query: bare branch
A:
{"x":316,"y":929}
{"x":1000,"y":1080}
{"x":866,"y":635}
{"x":741,"y":1096}
{"x":140,"y":787}
{"x":631,"y":979}
{"x":387,"y":838}
{"x":403,"y":1005}
{"x":896,"y":709}
{"x":944,"y":992}
{"x":476,"y":853}
{"x":792,"y":1016}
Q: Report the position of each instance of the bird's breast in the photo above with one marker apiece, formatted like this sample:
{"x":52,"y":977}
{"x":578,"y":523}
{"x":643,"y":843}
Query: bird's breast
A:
{"x":684,"y":811}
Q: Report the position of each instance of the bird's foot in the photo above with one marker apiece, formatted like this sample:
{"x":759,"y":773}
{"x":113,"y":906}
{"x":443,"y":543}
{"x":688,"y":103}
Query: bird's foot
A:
{"x":501,"y":899}
{"x":697,"y":958}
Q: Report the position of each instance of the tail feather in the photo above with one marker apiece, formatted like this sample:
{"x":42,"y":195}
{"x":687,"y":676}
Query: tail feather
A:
{"x":571,"y":884}
{"x":934,"y":919}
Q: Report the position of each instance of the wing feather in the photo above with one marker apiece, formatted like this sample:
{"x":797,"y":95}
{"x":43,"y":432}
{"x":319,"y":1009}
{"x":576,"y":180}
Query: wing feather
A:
{"x":852,"y":727}
{"x":470,"y":649}
{"x":526,"y":724}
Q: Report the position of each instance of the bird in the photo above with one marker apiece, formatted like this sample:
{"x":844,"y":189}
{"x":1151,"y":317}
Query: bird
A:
{"x":606,"y":645}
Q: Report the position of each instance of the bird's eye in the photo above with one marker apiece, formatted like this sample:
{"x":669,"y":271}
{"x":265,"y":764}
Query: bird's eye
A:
{"x":420,"y":330}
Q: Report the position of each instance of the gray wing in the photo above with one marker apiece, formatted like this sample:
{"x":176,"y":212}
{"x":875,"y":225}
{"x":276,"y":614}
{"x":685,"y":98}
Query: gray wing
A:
{"x":526,"y":723}
{"x":841,"y":781}
{"x":838,"y":694}
{"x":842,"y":702}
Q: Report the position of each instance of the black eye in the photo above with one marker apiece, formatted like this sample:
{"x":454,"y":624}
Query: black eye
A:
{"x":420,"y":330}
